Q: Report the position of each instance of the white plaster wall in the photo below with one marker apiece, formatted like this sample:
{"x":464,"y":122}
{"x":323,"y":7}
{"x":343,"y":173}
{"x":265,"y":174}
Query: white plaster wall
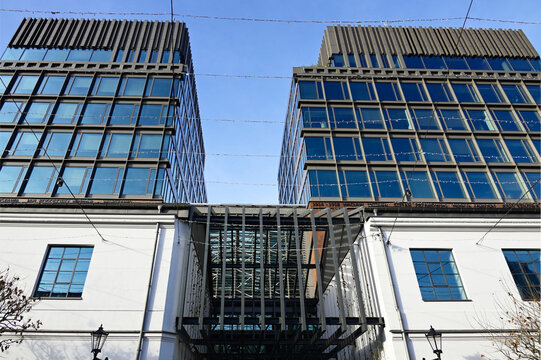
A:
{"x":115,"y":289}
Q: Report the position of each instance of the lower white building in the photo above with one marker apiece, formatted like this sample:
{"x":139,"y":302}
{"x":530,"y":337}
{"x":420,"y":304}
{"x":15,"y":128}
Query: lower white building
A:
{"x":138,"y":269}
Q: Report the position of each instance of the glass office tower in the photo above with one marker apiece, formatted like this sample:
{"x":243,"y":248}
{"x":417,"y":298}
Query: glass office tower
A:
{"x":418,"y":114}
{"x":100,"y":109}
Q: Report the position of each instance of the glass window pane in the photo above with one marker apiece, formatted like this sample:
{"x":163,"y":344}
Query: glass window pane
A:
{"x":352,"y":62}
{"x":101,"y":55}
{"x":499,"y":64}
{"x":10,"y":178}
{"x":38,"y":112}
{"x":370,"y":118}
{"x":434,"y":150}
{"x":386,"y":184}
{"x":492,"y":150}
{"x":418,"y":183}
{"x":338,"y":60}
{"x":397,"y":118}
{"x":346,"y":148}
{"x":336,"y":90}
{"x":95,"y":113}
{"x":79,"y":55}
{"x":25,"y":84}
{"x":314,"y":117}
{"x":136,"y":181}
{"x":405,"y":149}
{"x":376,"y":149}
{"x":515,"y":94}
{"x":4,"y":138}
{"x":388,"y":91}
{"x":33,"y":54}
{"x":439,"y":92}
{"x":52,"y":85}
{"x":505,"y":120}
{"x":413,"y":62}
{"x":361,"y":90}
{"x":531,"y":119}
{"x":119,"y":145}
{"x":134,"y":87}
{"x":88,"y":145}
{"x":490,"y":93}
{"x":106,"y":86}
{"x":12,"y":53}
{"x":104,"y":181}
{"x":478,"y":63}
{"x":520,"y":151}
{"x":56,"y":144}
{"x":315,"y":148}
{"x":25,"y":143}
{"x":456,"y":63}
{"x":425,"y":119}
{"x":463,"y":150}
{"x":414,"y":92}
{"x":533,"y":182}
{"x":323,"y":183}
{"x":465,"y":93}
{"x":56,"y":55}
{"x":342,"y":117}
{"x":124,"y":114}
{"x":150,"y":114}
{"x":509,"y":185}
{"x":66,"y":113}
{"x":4,"y":82}
{"x":449,"y":185}
{"x":434,"y":62}
{"x":535,"y":93}
{"x":161,"y":87}
{"x":10,"y":111}
{"x":79,"y":85}
{"x":76,"y":179}
{"x":479,"y":185}
{"x":520,"y":64}
{"x":308,"y":90}
{"x":40,"y":180}
{"x":356,"y":183}
{"x":150,"y":146}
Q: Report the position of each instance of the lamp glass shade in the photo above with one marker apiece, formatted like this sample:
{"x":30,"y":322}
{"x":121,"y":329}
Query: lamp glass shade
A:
{"x":98,"y":339}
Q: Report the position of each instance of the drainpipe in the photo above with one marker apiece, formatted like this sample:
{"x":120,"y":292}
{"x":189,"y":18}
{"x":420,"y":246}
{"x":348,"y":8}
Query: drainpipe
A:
{"x":397,"y":308}
{"x":151,"y":275}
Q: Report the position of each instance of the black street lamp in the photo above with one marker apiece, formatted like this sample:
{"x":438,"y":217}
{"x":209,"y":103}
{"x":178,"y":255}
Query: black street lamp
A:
{"x":98,"y":339}
{"x":434,"y":339}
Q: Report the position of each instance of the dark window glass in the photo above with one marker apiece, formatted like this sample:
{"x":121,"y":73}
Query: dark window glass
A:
{"x":342,"y":117}
{"x":434,"y":150}
{"x":376,"y":149}
{"x":338,"y":60}
{"x":4,"y":82}
{"x":439,"y":92}
{"x":456,"y":63}
{"x":369,"y":118}
{"x":159,"y":87}
{"x":505,"y":120}
{"x":25,"y":143}
{"x":95,"y":113}
{"x":480,"y":120}
{"x":10,"y":178}
{"x":448,"y":185}
{"x":38,"y":112}
{"x":40,"y":181}
{"x":79,"y":85}
{"x":119,"y":55}
{"x":424,"y":119}
{"x":374,"y":61}
{"x":153,"y":56}
{"x":64,"y":272}
{"x":318,"y":148}
{"x":531,"y":119}
{"x":385,"y":184}
{"x":490,"y":93}
{"x":509,"y":185}
{"x":101,"y":55}
{"x":149,"y":146}
{"x":105,"y":85}
{"x":323,"y":183}
{"x":478,"y":63}
{"x":152,"y":114}
{"x":336,"y":90}
{"x":76,"y":179}
{"x":25,"y":84}
{"x":414,"y":92}
{"x":66,"y":113}
{"x":55,"y":144}
{"x":12,"y":53}
{"x":142,"y":56}
{"x":520,"y":64}
{"x":405,"y":149}
{"x":533,"y":182}
{"x":314,"y":117}
{"x":520,"y":151}
{"x":79,"y":55}
{"x":33,"y":54}
{"x":397,"y":118}
{"x":176,"y":57}
{"x":165,"y":57}
{"x":86,"y":145}
{"x":515,"y":94}
{"x":478,"y":185}
{"x":434,"y":62}
{"x":132,"y":86}
{"x":354,"y":184}
{"x":106,"y":181}
{"x":463,"y":150}
{"x":413,"y":62}
{"x":418,"y":183}
{"x":492,"y":150}
{"x":116,"y":145}
{"x":52,"y":85}
{"x":362,"y":90}
{"x":524,"y":265}
{"x":362,"y":61}
{"x":536,"y":64}
{"x":310,"y":90}
{"x":465,"y":93}
{"x":347,"y":148}
{"x":124,"y":114}
{"x":396,"y":62}
{"x":385,"y":61}
{"x":499,"y":64}
{"x":437,"y":275}
{"x":535,"y":93}
{"x":137,"y":181}
{"x":388,"y":91}
{"x":10,"y":111}
{"x":130,"y":55}
{"x":352,"y":62}
{"x":56,"y":55}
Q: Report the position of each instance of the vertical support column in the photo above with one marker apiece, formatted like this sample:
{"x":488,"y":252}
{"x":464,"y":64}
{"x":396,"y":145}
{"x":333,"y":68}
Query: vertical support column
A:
{"x":322,"y":319}
{"x":262,"y":270}
{"x":224,"y":258}
{"x":205,"y":266}
{"x":299,"y":270}
{"x":184,"y":276}
{"x":280,"y":271}
{"x":341,"y":307}
{"x":243,"y":268}
{"x":356,"y":274}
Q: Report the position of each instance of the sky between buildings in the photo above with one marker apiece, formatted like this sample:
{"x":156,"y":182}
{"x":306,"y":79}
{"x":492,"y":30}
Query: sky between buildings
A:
{"x":265,"y":48}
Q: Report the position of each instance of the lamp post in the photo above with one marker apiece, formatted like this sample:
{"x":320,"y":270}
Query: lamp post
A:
{"x":434,"y":339}
{"x":98,"y":339}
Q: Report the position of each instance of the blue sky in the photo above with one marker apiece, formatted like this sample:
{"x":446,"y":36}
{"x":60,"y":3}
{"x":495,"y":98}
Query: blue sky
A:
{"x":265,"y":48}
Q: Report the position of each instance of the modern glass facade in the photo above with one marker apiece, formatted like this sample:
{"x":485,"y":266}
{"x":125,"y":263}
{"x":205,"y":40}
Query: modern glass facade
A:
{"x":396,"y":123}
{"x":100,"y":109}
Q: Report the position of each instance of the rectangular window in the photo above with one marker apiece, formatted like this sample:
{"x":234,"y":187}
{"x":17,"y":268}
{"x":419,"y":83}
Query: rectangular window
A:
{"x":463,"y":150}
{"x":95,"y":113}
{"x":385,"y":61}
{"x":376,"y":149}
{"x":509,"y":185}
{"x":11,"y":178}
{"x":515,"y":94}
{"x":520,"y":64}
{"x":397,"y":118}
{"x":24,"y":84}
{"x":64,"y":272}
{"x":448,"y":185}
{"x":32,"y":54}
{"x":41,"y":180}
{"x":153,"y":56}
{"x":456,"y":63}
{"x":67,"y":113}
{"x":434,"y":150}
{"x":314,"y":117}
{"x":38,"y":112}
{"x":142,"y":56}
{"x":535,"y":93}
{"x":139,"y":181}
{"x":119,"y":55}
{"x":86,"y":145}
{"x":478,"y":63}
{"x":414,"y":62}
{"x":76,"y":178}
{"x":336,"y":90}
{"x":521,"y":151}
{"x":369,"y":118}
{"x":323,"y":183}
{"x":351,"y":59}
{"x":116,"y":145}
{"x":414,"y":92}
{"x":105,"y":86}
{"x":374,"y":61}
{"x":492,"y":150}
{"x":418,"y":183}
{"x":388,"y":91}
{"x":318,"y":148}
{"x":12,"y":53}
{"x":354,"y":184}
{"x":465,"y":93}
{"x":424,"y":119}
{"x":396,"y":62}
{"x":437,"y":275}
{"x":524,"y":267}
{"x":106,"y":181}
{"x":499,"y":64}
{"x":148,"y":146}
{"x":25,"y":143}
{"x":55,"y":144}
{"x":505,"y":120}
{"x":132,"y":86}
{"x":533,"y":180}
{"x":101,"y":55}
{"x":56,"y":55}
{"x":124,"y":114}
{"x":130,"y":55}
{"x":478,"y":185}
{"x":10,"y":111}
{"x":4,"y":82}
{"x":165,"y":57}
{"x":78,"y":85}
{"x":434,"y":62}
{"x":159,"y":87}
{"x":52,"y":85}
{"x":347,"y":148}
{"x":310,"y":90}
{"x":337,"y":60}
{"x":531,"y":120}
{"x":342,"y":118}
{"x":79,"y":55}
{"x":439,"y":92}
{"x":385,"y":184}
{"x":490,"y":93}
{"x":153,"y":114}
{"x":362,"y":91}
{"x":405,"y":149}
{"x":4,"y":138}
